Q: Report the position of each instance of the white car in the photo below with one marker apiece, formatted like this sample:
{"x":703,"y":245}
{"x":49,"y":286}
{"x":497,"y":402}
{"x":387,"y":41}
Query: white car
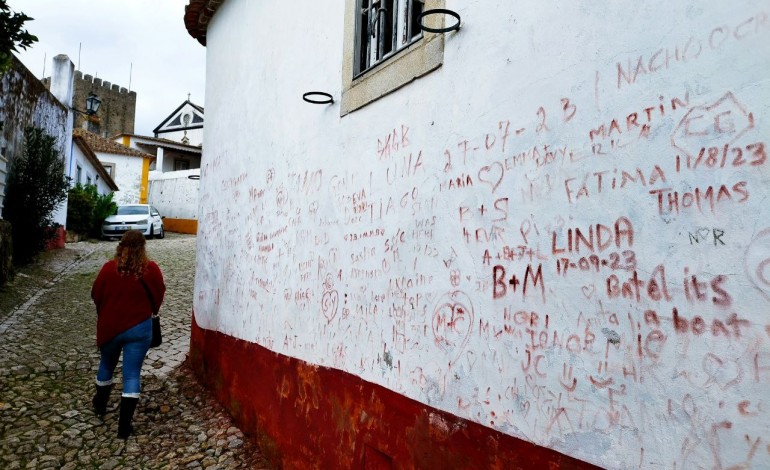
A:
{"x":142,"y":217}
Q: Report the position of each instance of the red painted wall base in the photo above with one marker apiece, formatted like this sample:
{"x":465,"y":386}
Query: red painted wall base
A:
{"x":307,"y":416}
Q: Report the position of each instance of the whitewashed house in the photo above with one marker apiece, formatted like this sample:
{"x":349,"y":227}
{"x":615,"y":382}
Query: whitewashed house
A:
{"x":169,"y":155}
{"x":538,"y":239}
{"x":175,"y":171}
{"x":184,"y":125}
{"x":127,"y":167}
{"x":87,"y":167}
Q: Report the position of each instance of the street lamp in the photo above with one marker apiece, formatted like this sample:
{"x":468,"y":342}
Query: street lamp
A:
{"x":92,"y":105}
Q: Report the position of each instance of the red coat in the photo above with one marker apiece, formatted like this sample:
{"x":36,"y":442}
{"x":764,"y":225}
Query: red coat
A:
{"x":121,"y":301}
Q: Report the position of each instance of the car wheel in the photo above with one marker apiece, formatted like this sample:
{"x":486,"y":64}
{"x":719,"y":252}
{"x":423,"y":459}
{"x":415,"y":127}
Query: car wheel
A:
{"x":162,"y":233}
{"x":151,"y":233}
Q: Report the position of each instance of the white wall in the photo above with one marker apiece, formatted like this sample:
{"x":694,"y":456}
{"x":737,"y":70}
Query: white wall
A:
{"x":423,"y":242}
{"x":128,"y":177}
{"x":79,"y":159}
{"x":174,"y":194}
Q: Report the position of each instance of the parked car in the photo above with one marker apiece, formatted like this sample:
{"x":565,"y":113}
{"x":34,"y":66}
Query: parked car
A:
{"x":142,"y":217}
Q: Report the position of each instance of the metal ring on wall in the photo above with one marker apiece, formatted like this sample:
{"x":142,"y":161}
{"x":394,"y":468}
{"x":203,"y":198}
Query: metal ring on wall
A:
{"x":308,"y":97}
{"x":439,"y":11}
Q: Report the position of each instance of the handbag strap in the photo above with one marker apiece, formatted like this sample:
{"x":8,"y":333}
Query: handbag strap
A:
{"x":149,"y":294}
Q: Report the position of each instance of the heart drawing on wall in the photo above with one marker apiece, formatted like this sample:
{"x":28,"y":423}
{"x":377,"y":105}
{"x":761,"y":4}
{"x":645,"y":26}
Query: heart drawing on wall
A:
{"x":757,"y":262}
{"x":724,"y":373}
{"x":452,"y":323}
{"x":329,"y":303}
{"x":492,"y":175}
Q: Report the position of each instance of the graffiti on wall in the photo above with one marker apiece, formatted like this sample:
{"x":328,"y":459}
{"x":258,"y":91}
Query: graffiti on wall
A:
{"x":578,"y":274}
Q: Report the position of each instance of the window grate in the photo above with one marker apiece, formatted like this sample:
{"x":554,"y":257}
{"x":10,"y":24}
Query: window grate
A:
{"x":383,"y":28}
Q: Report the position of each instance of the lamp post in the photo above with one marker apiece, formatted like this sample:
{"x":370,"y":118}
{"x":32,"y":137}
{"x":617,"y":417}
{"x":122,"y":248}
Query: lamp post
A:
{"x":92,"y":106}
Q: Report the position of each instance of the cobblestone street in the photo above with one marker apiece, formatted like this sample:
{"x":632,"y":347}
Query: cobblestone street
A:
{"x":48,"y":362}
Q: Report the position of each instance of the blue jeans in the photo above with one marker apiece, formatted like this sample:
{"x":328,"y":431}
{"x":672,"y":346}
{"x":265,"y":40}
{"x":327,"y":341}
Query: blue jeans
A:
{"x":134,"y":342}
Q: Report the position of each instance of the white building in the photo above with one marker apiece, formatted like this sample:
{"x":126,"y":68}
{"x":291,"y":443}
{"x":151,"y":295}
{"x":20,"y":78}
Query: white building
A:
{"x":169,"y":155}
{"x":128,"y":168}
{"x":184,"y":125}
{"x":539,"y":241}
{"x":173,"y":176}
{"x":87,"y":167}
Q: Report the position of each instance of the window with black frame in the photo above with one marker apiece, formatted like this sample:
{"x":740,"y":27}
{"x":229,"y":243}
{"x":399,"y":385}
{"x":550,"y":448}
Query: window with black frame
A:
{"x":383,"y":28}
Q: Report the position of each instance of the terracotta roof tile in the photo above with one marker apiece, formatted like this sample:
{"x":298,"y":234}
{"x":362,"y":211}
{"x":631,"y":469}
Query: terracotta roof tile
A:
{"x":100,"y":144}
{"x":197,"y":15}
{"x":80,"y":141}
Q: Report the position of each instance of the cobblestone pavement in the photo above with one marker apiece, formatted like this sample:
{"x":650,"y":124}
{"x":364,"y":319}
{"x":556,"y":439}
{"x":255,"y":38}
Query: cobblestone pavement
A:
{"x":48,"y":363}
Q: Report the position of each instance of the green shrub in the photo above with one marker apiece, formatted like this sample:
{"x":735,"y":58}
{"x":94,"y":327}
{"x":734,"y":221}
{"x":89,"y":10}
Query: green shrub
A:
{"x":103,"y":206}
{"x":36,"y":185}
{"x":87,"y":209}
{"x":80,"y":210}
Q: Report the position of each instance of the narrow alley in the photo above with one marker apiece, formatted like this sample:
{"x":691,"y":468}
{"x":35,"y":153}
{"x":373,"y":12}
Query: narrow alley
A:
{"x":48,"y":361}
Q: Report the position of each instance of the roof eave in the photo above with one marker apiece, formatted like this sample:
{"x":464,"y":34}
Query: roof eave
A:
{"x":97,"y":164}
{"x":197,"y":15}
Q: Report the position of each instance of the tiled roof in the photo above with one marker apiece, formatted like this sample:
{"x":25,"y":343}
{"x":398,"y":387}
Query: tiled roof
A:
{"x":100,"y":144}
{"x":197,"y":15}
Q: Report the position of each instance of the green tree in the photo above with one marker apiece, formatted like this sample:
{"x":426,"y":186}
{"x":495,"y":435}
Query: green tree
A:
{"x":80,"y":209}
{"x":36,"y":186}
{"x":12,"y":34}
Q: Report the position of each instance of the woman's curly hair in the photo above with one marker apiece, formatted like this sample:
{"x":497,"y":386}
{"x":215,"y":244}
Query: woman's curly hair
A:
{"x":131,"y":255}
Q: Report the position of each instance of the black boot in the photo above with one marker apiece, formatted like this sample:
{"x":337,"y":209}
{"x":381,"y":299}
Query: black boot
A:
{"x":100,"y":399}
{"x":127,"y":407}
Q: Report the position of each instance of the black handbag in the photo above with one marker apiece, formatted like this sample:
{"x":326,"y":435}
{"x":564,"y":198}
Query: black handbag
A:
{"x":157,"y":336}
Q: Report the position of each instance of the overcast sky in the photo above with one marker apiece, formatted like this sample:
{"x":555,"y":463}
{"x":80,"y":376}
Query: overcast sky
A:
{"x":167,"y":62}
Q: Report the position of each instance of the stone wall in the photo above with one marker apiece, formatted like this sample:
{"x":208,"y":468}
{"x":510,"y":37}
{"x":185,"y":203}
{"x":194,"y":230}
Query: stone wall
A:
{"x":115,"y":115}
{"x":24,"y":102}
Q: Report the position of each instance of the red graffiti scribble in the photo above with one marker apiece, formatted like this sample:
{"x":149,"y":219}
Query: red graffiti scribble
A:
{"x":743,"y":409}
{"x":570,"y":387}
{"x":601,"y":383}
{"x":726,"y":118}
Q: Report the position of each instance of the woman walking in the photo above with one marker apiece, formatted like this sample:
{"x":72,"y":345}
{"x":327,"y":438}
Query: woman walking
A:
{"x":127,"y":292}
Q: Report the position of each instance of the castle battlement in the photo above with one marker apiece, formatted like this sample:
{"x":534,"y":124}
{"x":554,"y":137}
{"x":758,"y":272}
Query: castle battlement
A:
{"x":97,"y":85}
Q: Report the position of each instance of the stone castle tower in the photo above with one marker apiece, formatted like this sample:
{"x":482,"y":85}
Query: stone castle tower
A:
{"x":115,"y":115}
